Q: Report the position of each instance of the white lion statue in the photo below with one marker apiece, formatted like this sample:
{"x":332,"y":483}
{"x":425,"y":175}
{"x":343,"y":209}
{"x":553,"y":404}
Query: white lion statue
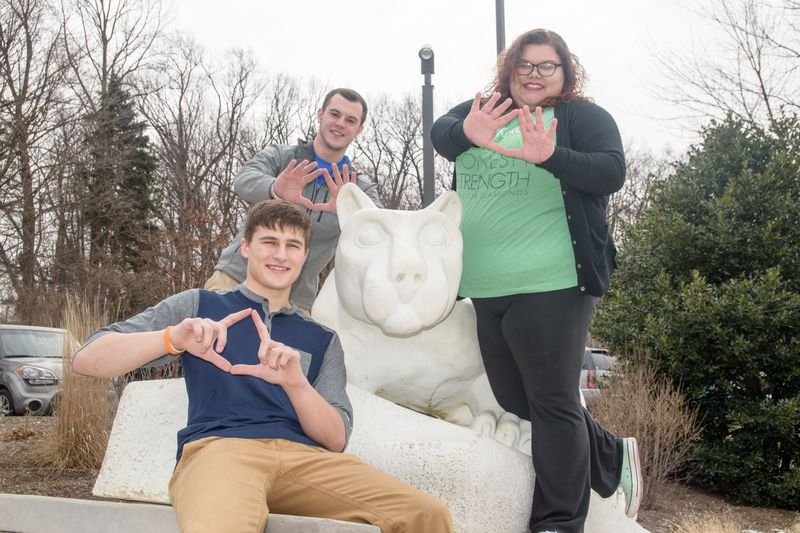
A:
{"x":392,"y":299}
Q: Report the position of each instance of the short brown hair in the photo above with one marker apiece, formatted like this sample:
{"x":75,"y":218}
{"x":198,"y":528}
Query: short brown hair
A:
{"x":574,"y":74}
{"x":349,"y":95}
{"x":276,"y":214}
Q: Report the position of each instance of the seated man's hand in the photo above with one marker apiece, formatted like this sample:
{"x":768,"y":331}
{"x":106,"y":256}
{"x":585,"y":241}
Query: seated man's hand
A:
{"x":278,"y":364}
{"x":205,"y":338}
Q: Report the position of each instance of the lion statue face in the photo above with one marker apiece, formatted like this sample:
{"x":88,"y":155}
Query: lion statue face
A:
{"x":398,"y":270}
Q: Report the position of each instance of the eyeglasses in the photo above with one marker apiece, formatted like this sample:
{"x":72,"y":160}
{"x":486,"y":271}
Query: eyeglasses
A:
{"x":545,"y":70}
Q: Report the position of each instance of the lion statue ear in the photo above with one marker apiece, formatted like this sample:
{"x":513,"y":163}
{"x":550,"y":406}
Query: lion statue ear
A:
{"x":449,"y":204}
{"x":351,"y":199}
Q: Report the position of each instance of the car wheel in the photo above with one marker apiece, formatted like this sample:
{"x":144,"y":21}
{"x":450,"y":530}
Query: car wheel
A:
{"x":6,"y":403}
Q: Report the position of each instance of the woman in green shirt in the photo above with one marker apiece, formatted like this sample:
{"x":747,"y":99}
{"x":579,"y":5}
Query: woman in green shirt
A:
{"x":535,"y":163}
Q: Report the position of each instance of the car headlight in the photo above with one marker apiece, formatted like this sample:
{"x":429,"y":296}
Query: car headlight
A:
{"x":33,"y":375}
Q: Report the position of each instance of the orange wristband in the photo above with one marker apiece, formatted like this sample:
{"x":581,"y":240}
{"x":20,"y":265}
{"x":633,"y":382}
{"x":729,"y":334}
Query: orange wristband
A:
{"x":170,"y":348}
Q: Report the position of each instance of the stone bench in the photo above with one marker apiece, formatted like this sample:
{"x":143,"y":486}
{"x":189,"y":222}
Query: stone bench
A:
{"x":43,"y":514}
{"x":486,"y":485}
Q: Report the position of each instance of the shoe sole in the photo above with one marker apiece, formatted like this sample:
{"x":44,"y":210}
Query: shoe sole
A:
{"x":636,"y":478}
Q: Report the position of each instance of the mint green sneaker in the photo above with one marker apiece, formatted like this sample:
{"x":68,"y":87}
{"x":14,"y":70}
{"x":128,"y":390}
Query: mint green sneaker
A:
{"x":631,"y":477}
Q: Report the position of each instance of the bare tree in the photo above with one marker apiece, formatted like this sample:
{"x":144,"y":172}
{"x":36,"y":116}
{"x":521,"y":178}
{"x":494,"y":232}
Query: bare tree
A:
{"x":199,"y":114}
{"x":310,"y":101}
{"x":389,"y":150}
{"x":65,"y":199}
{"x":747,"y":66}
{"x":644,"y":169}
{"x":105,"y":38}
{"x":109,"y":44}
{"x":32,"y":70}
{"x":443,"y":174}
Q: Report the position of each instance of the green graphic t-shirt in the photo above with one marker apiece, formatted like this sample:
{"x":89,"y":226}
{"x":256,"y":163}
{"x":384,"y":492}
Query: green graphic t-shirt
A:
{"x":516,"y":238}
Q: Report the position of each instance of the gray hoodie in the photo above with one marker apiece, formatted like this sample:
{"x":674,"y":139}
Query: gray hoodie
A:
{"x":252,"y":184}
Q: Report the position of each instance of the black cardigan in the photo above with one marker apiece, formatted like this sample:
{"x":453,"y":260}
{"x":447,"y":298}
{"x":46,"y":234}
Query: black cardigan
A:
{"x":590,"y":163}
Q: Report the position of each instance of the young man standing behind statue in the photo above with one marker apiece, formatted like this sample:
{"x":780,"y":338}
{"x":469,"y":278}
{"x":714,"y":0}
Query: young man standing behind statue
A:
{"x":308,"y":175}
{"x":268,"y":411}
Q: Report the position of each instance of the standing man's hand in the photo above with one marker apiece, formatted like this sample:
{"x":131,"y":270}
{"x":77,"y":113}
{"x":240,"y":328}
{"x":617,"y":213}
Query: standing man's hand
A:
{"x":289,"y":183}
{"x":205,"y":338}
{"x":334,"y":183}
{"x":482,"y":122}
{"x":278,"y":364}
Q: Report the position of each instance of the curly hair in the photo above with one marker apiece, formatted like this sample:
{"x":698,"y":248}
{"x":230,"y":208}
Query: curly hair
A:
{"x":574,"y":74}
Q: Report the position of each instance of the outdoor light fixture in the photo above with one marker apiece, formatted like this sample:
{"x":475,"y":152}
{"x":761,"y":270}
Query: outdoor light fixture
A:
{"x":426,"y":65}
{"x":426,"y":56}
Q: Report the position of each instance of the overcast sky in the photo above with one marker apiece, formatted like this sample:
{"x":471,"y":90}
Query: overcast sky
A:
{"x":372,"y":46}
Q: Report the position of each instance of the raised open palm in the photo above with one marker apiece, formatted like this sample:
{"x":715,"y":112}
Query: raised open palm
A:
{"x":289,"y":183}
{"x":483,"y":121}
{"x":334,"y":183}
{"x":537,"y":142}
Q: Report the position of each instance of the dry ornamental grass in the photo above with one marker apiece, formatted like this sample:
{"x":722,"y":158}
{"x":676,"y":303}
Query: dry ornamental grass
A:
{"x":83,"y":412}
{"x":637,"y":402}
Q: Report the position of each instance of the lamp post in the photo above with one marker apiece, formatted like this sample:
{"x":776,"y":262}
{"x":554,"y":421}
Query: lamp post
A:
{"x":426,"y":64}
{"x":500,"y":17}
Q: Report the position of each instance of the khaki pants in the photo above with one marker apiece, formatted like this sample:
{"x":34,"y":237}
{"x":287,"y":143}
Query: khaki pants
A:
{"x":221,"y":280}
{"x":231,"y":485}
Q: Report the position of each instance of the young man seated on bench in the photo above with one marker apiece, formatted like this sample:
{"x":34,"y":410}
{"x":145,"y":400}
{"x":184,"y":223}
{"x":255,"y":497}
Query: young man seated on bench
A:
{"x":268,"y":412}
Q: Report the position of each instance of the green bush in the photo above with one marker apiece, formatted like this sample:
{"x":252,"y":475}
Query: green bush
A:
{"x":709,"y":284}
{"x":757,"y":464}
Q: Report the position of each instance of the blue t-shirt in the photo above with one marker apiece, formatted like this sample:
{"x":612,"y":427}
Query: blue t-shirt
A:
{"x":321,"y":163}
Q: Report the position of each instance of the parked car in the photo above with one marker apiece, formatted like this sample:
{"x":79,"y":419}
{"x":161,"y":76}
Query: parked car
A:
{"x":596,"y":365}
{"x":30,"y":368}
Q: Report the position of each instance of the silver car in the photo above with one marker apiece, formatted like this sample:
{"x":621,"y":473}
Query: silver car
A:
{"x":596,"y":364}
{"x":30,"y":368}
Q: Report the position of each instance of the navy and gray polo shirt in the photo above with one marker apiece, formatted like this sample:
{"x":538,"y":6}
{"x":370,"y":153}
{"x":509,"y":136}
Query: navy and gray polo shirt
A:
{"x":227,"y":405}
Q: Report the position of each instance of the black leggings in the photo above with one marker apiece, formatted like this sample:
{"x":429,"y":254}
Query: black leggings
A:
{"x":532,"y":346}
